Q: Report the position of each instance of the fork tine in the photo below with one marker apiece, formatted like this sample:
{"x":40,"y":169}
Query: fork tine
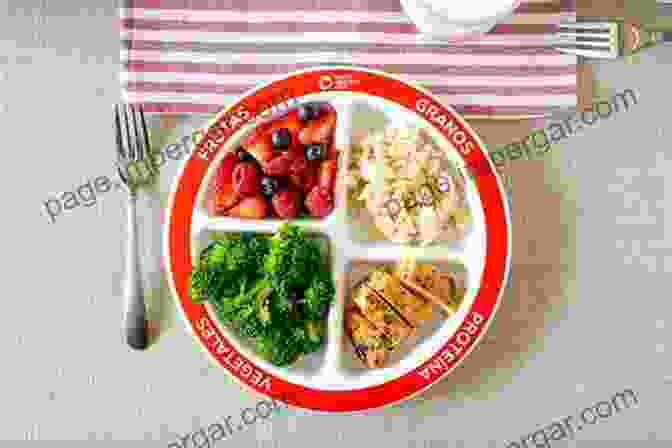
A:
{"x":592,"y":43}
{"x":129,"y":137}
{"x":591,"y":37}
{"x":584,"y":51}
{"x":136,"y":133}
{"x":144,"y":133}
{"x":146,"y":141}
{"x":588,"y":26}
{"x":122,"y":173}
{"x":121,"y":151}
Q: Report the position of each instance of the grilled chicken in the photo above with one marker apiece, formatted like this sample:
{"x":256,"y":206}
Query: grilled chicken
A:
{"x":382,"y":316}
{"x":369,"y":343}
{"x":414,"y":309}
{"x":387,"y":307}
{"x":446,"y":289}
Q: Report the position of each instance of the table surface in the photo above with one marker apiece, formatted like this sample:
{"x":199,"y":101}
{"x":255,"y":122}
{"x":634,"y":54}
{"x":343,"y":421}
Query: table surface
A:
{"x":588,"y":316}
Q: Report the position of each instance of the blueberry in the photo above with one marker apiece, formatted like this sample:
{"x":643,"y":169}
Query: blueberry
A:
{"x":313,"y":151}
{"x":308,"y":111}
{"x":245,"y":156}
{"x":269,"y":185}
{"x":281,"y":138}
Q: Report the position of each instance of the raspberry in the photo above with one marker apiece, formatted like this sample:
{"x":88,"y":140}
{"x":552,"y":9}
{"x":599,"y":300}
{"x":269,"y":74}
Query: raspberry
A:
{"x":310,"y":176}
{"x":279,"y":166}
{"x":287,"y":203}
{"x":319,"y":202}
{"x":298,"y":165}
{"x":246,"y":179}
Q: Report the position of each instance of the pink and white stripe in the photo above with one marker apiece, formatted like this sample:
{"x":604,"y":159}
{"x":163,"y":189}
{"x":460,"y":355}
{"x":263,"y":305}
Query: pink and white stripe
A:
{"x":194,"y":56}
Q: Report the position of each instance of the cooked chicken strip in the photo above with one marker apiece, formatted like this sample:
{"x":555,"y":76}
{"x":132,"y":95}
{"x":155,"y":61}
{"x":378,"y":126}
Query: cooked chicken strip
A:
{"x":368,"y":342}
{"x":446,"y":289}
{"x":411,"y":307}
{"x":382,"y":316}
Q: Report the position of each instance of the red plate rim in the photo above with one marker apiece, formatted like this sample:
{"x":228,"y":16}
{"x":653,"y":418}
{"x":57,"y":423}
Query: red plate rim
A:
{"x":177,"y":238}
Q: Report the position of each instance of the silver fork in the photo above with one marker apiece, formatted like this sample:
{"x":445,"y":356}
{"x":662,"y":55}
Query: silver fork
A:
{"x":133,"y":151}
{"x":590,"y":39}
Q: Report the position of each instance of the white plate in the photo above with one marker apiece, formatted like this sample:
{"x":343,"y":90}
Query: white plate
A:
{"x":333,"y":379}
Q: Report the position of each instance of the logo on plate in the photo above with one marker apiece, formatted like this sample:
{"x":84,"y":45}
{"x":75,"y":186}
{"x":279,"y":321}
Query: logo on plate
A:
{"x":327,"y":82}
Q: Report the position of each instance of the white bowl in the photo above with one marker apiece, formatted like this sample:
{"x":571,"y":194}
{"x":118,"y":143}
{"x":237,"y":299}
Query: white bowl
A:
{"x":439,"y":20}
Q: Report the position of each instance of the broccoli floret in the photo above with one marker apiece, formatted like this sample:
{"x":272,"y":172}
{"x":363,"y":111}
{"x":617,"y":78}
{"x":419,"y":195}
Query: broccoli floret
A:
{"x":202,"y":285}
{"x":285,"y":344}
{"x":237,"y":252}
{"x":279,"y":346}
{"x":214,"y":255}
{"x":314,"y":331}
{"x":246,"y":310}
{"x":208,"y":283}
{"x":318,"y":296}
{"x":226,"y":264}
{"x":291,"y":262}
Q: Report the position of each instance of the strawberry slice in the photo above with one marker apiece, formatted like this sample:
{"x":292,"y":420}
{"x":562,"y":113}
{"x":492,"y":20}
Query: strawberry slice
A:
{"x":319,"y":202}
{"x":332,"y":152}
{"x":328,"y":171}
{"x":221,"y":194}
{"x":287,"y":204}
{"x":246,"y":179}
{"x":225,"y":197}
{"x":290,"y":121}
{"x":253,"y":207}
{"x":259,"y":145}
{"x":321,"y":128}
{"x":225,"y":170}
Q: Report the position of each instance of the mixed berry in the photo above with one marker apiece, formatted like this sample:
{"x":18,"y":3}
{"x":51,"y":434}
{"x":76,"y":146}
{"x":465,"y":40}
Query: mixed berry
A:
{"x":284,"y":168}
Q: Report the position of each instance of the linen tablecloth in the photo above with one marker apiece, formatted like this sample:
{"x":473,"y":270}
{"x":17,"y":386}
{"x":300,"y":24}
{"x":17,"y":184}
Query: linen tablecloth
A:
{"x":190,"y":56}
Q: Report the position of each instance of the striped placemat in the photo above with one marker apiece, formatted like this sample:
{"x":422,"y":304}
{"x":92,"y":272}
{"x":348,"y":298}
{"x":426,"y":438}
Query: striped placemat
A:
{"x":191,"y":56}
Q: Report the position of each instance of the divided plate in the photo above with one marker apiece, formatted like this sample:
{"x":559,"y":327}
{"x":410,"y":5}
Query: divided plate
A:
{"x":333,"y":379}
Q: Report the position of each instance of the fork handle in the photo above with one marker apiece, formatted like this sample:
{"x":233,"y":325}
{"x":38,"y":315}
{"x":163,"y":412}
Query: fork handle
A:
{"x":135,"y":322}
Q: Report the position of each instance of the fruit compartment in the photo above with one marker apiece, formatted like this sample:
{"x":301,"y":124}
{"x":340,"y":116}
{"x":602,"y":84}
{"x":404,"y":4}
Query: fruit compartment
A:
{"x":308,"y":367}
{"x":283,"y":167}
